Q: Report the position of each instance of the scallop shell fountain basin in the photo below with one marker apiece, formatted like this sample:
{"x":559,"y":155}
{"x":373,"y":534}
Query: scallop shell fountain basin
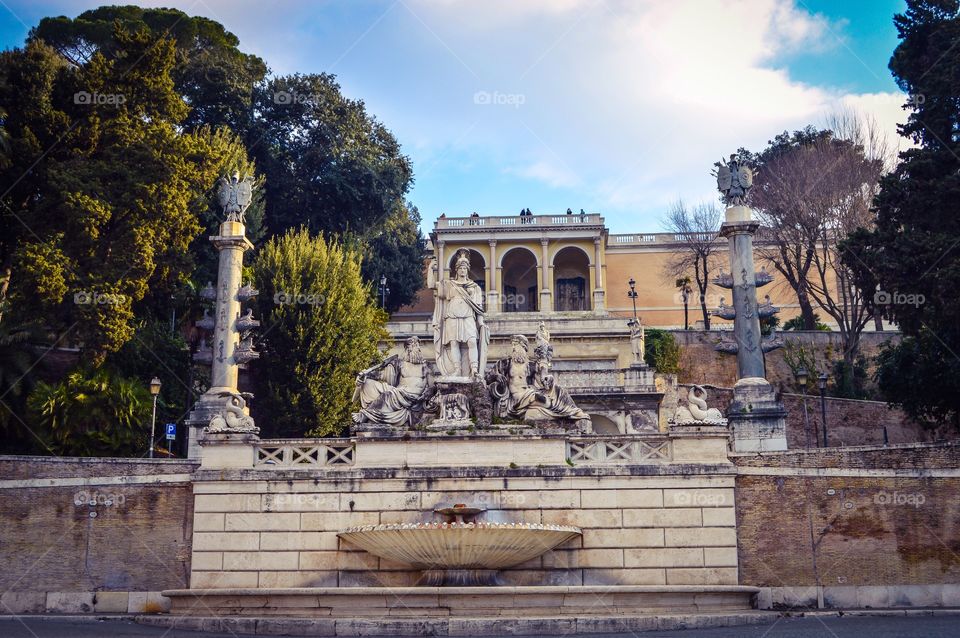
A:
{"x":459,"y":553}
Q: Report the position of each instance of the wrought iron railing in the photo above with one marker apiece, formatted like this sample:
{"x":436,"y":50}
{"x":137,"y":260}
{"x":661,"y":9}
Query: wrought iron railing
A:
{"x":619,"y":450}
{"x":304,"y":453}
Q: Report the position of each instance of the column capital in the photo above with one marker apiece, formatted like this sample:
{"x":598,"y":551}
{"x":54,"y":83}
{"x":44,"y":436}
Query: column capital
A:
{"x":441,"y":243}
{"x":492,"y":242}
{"x":597,"y":241}
{"x":544,"y":242}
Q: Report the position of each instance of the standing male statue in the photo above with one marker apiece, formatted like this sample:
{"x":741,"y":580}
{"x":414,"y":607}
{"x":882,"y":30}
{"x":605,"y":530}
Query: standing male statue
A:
{"x":460,"y":336}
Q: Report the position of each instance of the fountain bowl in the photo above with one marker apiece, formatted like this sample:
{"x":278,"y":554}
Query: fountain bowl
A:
{"x":459,"y":553}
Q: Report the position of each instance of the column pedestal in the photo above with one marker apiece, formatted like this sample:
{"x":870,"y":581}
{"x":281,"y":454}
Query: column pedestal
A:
{"x":757,"y":417}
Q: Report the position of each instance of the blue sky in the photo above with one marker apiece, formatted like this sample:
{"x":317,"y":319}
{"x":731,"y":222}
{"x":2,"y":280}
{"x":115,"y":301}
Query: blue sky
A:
{"x":616,"y":106}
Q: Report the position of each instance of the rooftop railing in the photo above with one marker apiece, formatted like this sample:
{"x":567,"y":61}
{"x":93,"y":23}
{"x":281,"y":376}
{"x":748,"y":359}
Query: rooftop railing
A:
{"x":519,"y":221}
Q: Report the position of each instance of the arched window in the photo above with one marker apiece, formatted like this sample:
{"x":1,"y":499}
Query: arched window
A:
{"x":571,"y":279}
{"x":519,"y":269}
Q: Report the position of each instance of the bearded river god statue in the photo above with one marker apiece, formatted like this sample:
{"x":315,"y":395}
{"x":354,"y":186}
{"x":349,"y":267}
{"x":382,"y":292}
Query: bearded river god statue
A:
{"x":460,"y":336}
{"x":523,"y":389}
{"x":393,"y":393}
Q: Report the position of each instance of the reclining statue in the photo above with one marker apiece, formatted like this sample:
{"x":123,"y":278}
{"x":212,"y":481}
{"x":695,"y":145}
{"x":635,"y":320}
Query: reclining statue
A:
{"x":525,"y":390}
{"x":393,"y":392}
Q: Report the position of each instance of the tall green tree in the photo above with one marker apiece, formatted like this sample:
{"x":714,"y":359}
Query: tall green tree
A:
{"x":395,"y":251}
{"x":912,"y":255}
{"x":319,"y":326}
{"x":117,"y":206}
{"x":210,"y":72}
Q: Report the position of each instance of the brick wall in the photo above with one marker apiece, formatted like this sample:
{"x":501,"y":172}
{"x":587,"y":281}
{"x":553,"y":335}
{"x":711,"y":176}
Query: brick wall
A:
{"x":847,"y":518}
{"x":134,"y":537}
{"x":849,"y":422}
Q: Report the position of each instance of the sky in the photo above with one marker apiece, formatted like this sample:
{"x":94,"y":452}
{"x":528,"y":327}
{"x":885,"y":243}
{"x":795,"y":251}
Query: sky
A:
{"x":614,"y":106}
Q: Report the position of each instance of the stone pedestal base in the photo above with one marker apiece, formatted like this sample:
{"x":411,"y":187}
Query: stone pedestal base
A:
{"x":757,"y":417}
{"x":639,"y":375}
{"x":464,"y":403}
{"x":210,"y":404}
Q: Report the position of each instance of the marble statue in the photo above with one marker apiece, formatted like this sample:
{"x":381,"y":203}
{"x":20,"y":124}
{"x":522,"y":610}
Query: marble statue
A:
{"x":734,"y":179}
{"x":460,"y":335}
{"x":543,"y":349}
{"x":234,"y":417}
{"x":235,"y":195}
{"x":696,"y":410}
{"x":524,"y":389}
{"x":638,"y":340}
{"x":393,"y":392}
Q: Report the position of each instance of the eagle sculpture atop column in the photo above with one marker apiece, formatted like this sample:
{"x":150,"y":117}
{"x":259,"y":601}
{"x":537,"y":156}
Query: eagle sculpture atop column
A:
{"x":734,"y":179}
{"x":235,"y":195}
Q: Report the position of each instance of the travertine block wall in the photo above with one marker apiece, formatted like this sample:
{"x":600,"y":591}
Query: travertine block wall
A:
{"x":662,"y":529}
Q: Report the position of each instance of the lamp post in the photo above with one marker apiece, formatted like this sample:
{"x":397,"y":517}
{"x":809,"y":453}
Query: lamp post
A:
{"x":822,"y":384}
{"x":383,"y":290}
{"x":155,"y":391}
{"x":685,"y":295}
{"x":633,"y":296}
{"x":802,"y":375}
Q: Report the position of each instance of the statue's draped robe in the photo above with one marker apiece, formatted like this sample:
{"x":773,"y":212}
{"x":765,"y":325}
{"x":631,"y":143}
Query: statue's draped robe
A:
{"x":540,"y":399}
{"x":456,"y":313}
{"x":383,"y":402}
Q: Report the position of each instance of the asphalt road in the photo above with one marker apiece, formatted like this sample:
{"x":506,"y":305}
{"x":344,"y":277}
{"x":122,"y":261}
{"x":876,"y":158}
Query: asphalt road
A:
{"x":830,"y":627}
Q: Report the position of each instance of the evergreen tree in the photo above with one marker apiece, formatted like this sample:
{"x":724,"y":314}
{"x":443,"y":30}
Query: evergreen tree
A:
{"x":319,"y":327}
{"x":912,"y":257}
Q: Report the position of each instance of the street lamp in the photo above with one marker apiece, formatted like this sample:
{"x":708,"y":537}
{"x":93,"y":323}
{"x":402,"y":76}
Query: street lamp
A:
{"x":155,"y":391}
{"x":383,"y":290}
{"x":822,"y":384}
{"x":633,"y":296}
{"x":802,"y":375}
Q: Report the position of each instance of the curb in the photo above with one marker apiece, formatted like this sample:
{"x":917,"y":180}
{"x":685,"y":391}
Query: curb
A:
{"x":455,"y":626}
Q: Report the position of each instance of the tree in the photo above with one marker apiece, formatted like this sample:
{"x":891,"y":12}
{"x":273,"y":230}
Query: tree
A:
{"x":320,"y":327}
{"x":92,"y":413}
{"x":329,"y":165}
{"x":911,"y":254}
{"x":661,"y":351}
{"x":696,"y":233}
{"x":210,"y":73}
{"x":683,"y":286}
{"x":396,"y":252}
{"x":812,"y":190}
{"x":117,"y":201}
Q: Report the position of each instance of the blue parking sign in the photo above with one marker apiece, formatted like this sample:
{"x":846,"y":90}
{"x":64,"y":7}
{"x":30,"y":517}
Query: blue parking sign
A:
{"x":171,"y":431}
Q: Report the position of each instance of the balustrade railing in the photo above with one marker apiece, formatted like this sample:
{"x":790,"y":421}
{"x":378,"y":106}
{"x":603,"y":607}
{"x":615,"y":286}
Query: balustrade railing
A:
{"x":289,"y":453}
{"x":517,"y":220}
{"x":621,"y":450}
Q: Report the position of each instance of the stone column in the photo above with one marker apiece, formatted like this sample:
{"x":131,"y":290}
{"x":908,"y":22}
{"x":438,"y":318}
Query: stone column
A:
{"x":756,"y":414}
{"x":442,"y":271}
{"x":739,"y":228}
{"x":231,"y":244}
{"x":546,"y":298}
{"x":598,"y":294}
{"x":493,"y":295}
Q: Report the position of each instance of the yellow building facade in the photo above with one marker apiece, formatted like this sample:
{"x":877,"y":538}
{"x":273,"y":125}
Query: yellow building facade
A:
{"x":570,"y":265}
